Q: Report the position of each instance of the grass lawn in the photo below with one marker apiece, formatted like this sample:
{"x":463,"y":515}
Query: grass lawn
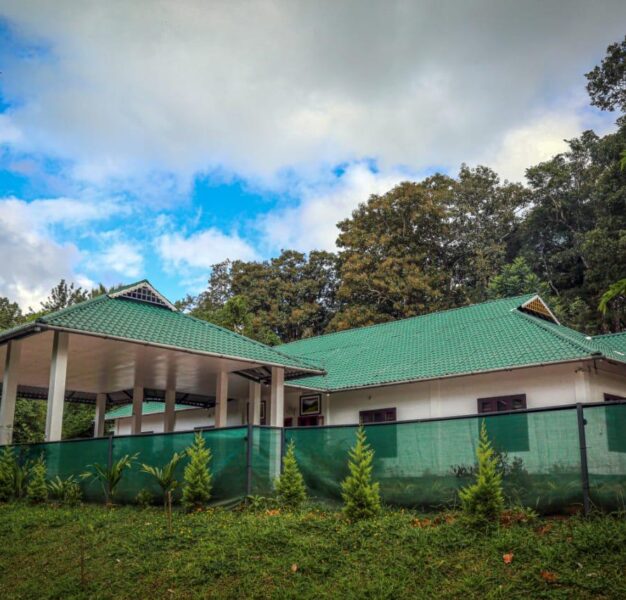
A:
{"x":233,"y":554}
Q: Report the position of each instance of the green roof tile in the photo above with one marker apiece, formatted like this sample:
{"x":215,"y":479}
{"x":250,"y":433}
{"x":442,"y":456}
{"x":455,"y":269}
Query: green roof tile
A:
{"x":153,"y":324}
{"x":148,"y":408}
{"x":615,"y":341}
{"x":482,"y":337}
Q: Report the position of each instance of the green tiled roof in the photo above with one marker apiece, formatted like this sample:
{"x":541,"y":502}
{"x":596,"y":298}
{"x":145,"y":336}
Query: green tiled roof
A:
{"x":148,"y":408}
{"x":615,"y":341}
{"x":484,"y":337}
{"x":149,"y":323}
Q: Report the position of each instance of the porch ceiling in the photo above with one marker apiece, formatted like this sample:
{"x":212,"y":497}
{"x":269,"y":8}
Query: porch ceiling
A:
{"x":97,"y":364}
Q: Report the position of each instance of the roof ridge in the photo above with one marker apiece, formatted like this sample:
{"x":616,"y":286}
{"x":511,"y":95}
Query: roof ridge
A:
{"x":549,"y":327}
{"x":606,"y":335}
{"x":437,"y":312}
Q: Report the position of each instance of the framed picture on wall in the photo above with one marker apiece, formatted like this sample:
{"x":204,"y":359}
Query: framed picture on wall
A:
{"x":310,"y":405}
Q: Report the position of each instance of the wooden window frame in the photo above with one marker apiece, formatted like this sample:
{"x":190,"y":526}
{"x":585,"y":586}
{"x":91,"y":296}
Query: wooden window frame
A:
{"x":494,"y":404}
{"x":392,"y":412}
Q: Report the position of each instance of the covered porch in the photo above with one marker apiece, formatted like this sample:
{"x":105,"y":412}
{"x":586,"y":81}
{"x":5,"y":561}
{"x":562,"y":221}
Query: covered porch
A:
{"x":134,"y":346}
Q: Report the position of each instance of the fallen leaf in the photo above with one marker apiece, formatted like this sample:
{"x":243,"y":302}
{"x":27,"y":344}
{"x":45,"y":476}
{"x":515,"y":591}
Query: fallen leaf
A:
{"x":294,"y":568}
{"x":272,"y":512}
{"x":549,"y":576}
{"x":507,"y":558}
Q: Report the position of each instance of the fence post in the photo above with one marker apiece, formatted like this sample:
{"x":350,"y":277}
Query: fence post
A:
{"x":109,"y":461}
{"x":282,"y":448}
{"x":249,"y":461}
{"x":582,"y":440}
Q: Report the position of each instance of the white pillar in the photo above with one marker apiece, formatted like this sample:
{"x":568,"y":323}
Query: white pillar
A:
{"x":254,"y":403}
{"x":9,"y":392}
{"x":137,"y":409}
{"x":221,"y":399}
{"x":277,"y":397}
{"x":56,"y":387}
{"x":169,"y":420}
{"x":101,"y":406}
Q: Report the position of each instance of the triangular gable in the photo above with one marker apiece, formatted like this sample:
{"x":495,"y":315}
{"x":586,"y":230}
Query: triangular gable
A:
{"x":143,"y":292}
{"x":538,"y":308}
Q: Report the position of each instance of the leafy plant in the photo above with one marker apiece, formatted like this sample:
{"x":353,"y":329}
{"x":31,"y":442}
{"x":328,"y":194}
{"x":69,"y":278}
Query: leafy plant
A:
{"x":197,"y":479}
{"x":290,"y":488}
{"x":110,"y":477}
{"x":66,"y":490}
{"x":8,"y":464}
{"x":144,"y":498}
{"x":37,"y":489}
{"x":360,"y":494}
{"x":483,"y":501}
{"x":166,"y":478}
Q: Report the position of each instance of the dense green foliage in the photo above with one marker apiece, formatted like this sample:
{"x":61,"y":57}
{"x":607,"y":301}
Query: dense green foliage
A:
{"x":37,"y":488}
{"x":197,"y":480}
{"x":313,"y":554}
{"x":361,"y":495}
{"x":7,"y":473}
{"x":290,"y":488}
{"x":66,"y":491}
{"x":483,"y":501}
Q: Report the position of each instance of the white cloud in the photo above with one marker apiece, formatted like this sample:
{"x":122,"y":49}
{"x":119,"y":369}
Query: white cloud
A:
{"x":312,"y":223}
{"x":131,"y":89}
{"x":116,"y":260}
{"x":202,"y":249}
{"x":33,"y":260}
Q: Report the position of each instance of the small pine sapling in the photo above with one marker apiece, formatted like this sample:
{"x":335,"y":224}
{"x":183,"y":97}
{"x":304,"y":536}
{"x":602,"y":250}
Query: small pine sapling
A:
{"x":37,"y":488}
{"x":290,"y":488}
{"x":360,"y":494}
{"x":483,"y":501}
{"x":8,"y":464}
{"x":197,"y":479}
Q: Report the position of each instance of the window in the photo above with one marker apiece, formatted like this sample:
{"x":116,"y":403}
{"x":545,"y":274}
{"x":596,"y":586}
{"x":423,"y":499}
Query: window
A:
{"x":384,"y":440}
{"x":615,"y":423}
{"x":310,"y":421}
{"x":508,"y":433}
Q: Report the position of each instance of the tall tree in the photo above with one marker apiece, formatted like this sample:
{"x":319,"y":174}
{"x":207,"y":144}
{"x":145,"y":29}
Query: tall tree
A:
{"x":10,"y":314}
{"x":606,"y":83}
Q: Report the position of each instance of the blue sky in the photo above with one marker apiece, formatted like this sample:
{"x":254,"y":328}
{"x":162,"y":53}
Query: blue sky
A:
{"x":153,"y":139}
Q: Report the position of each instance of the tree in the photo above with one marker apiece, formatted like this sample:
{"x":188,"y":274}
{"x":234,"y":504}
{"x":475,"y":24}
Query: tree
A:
{"x":63,"y":295}
{"x":613,"y":301}
{"x":290,"y":488}
{"x":392,"y":258}
{"x":360,"y":494}
{"x":606,"y":83}
{"x":483,"y":501}
{"x":10,"y":314}
{"x":166,"y":478}
{"x":37,"y":488}
{"x":516,"y":278}
{"x":197,"y":479}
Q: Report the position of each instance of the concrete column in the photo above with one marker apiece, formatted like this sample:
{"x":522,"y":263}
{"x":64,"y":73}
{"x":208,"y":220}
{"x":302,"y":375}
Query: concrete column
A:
{"x":277,"y":397}
{"x":56,"y":387}
{"x":135,"y":428}
{"x":254,"y":400}
{"x":101,"y":406}
{"x":9,"y":391}
{"x":169,"y":422}
{"x":221,"y":399}
{"x":582,"y":384}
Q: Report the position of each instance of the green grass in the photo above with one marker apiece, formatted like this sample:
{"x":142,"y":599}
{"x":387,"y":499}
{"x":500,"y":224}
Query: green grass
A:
{"x":238,"y":554}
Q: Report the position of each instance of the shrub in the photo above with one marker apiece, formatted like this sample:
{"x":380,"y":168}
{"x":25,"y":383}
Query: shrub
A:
{"x":360,"y":494}
{"x":110,"y":477}
{"x":165,"y":476}
{"x":290,"y":488}
{"x":197,"y":480}
{"x":144,"y":498}
{"x":483,"y":501}
{"x":8,"y":464}
{"x":66,"y":490}
{"x":37,"y":488}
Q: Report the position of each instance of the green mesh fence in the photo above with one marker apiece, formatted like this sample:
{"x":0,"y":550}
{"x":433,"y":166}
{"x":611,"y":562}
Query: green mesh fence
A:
{"x":605,"y":434}
{"x":423,"y":464}
{"x":418,"y":464}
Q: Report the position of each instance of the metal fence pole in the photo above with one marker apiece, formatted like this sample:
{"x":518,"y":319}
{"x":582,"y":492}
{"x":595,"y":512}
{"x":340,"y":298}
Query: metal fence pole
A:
{"x":282,"y":448}
{"x":584,"y":468}
{"x":109,"y":461}
{"x":249,"y":461}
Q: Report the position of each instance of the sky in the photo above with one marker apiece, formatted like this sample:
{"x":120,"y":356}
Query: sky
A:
{"x":156,"y":138}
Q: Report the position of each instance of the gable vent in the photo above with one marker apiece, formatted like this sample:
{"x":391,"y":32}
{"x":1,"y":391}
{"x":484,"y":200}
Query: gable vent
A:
{"x":538,"y":308}
{"x":144,"y":292}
